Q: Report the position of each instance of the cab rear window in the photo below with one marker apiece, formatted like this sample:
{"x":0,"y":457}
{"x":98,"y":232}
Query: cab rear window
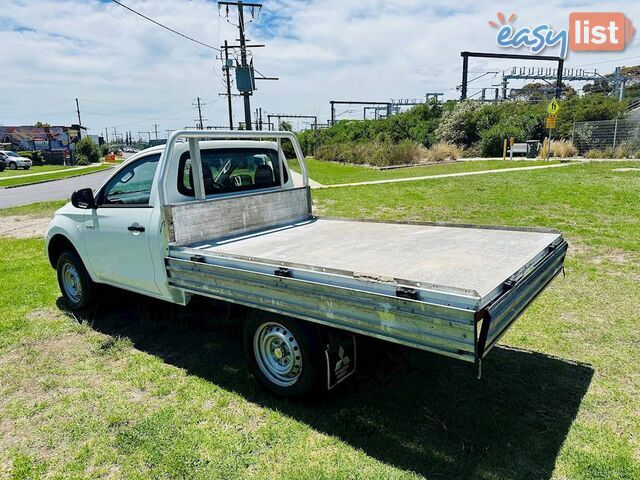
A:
{"x":227,"y":170}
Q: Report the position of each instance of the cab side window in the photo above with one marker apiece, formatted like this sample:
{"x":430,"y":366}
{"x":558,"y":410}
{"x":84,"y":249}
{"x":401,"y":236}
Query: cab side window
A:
{"x":132,"y":185}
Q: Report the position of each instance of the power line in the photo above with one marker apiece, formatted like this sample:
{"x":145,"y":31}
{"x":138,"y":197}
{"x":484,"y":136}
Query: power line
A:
{"x":608,"y":61}
{"x":165,"y":27}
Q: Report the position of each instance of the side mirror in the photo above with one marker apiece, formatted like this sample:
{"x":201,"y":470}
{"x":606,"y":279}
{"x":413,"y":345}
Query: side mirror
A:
{"x":83,"y":198}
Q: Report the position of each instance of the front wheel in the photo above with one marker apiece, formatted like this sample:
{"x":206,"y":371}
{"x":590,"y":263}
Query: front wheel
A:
{"x":13,"y":166}
{"x":284,"y":354}
{"x":74,"y":281}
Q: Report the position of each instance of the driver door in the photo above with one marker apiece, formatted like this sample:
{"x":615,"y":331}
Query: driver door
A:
{"x":116,"y":233}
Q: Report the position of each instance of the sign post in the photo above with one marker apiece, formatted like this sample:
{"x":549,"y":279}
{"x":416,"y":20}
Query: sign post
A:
{"x":553,"y":109}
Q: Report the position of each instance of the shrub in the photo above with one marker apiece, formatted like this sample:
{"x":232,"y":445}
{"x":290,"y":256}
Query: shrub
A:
{"x":473,"y":151}
{"x":35,"y":156}
{"x":88,"y":149}
{"x":458,"y":126}
{"x":371,"y":153}
{"x":626,"y":150}
{"x":601,"y":153}
{"x":444,"y":151}
{"x":563,"y":149}
{"x":104,"y":150}
{"x":492,"y":140}
{"x":81,"y":159}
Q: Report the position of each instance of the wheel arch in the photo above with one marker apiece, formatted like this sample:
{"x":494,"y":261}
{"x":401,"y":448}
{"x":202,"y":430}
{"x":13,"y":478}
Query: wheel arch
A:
{"x":58,"y":244}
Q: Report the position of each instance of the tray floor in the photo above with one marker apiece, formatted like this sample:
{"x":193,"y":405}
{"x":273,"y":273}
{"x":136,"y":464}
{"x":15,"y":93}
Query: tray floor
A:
{"x":478,"y":259}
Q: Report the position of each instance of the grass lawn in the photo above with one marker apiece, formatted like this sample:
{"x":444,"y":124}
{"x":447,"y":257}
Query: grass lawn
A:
{"x":63,"y":172}
{"x":329,"y":173}
{"x":139,"y":389}
{"x":34,"y":169}
{"x":41,"y":209}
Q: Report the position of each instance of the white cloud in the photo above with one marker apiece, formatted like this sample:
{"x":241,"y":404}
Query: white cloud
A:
{"x":57,"y":50}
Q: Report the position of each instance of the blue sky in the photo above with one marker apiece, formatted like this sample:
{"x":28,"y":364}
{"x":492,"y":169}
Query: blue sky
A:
{"x":131,"y":74}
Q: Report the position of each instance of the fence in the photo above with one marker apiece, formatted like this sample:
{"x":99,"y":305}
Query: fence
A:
{"x":606,"y":134}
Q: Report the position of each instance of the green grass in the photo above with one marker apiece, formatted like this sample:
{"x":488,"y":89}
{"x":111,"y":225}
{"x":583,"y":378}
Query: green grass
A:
{"x":328,"y":173}
{"x":34,"y":169}
{"x":41,"y":209}
{"x":69,"y":172}
{"x":139,"y":389}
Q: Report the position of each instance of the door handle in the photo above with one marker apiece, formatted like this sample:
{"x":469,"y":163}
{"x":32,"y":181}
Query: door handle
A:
{"x":135,"y":228}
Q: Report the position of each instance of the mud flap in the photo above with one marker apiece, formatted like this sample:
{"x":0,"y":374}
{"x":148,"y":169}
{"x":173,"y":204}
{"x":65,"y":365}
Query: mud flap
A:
{"x":340,"y":356}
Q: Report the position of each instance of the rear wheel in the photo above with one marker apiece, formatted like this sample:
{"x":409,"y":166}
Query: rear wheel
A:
{"x":74,"y":281}
{"x":284,"y":353}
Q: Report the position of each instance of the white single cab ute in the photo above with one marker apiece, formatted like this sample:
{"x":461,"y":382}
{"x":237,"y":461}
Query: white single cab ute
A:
{"x":218,"y":214}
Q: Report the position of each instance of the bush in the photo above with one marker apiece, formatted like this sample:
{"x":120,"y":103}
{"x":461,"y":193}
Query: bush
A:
{"x":81,"y":159}
{"x":371,"y":153}
{"x":473,"y":151}
{"x":458,"y":126}
{"x":444,"y":151}
{"x":563,"y":149}
{"x":104,"y":150}
{"x":492,"y":140}
{"x":600,"y":153}
{"x":36,"y":156}
{"x":86,"y":149}
{"x":626,"y":150}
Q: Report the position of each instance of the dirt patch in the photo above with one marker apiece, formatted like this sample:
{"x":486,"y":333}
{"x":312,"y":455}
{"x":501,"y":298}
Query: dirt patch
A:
{"x":23,"y":226}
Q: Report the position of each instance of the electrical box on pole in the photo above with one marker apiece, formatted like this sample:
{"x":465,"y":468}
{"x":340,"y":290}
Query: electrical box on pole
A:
{"x":245,"y":79}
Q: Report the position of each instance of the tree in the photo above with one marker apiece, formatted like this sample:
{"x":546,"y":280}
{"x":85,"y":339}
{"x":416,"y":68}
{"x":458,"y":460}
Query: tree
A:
{"x":540,"y":91}
{"x":85,"y":149}
{"x":42,"y":125}
{"x":286,"y":126}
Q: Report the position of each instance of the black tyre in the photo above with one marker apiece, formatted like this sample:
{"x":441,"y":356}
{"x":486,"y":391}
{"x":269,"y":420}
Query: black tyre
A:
{"x":13,"y":166}
{"x":74,"y":281}
{"x":27,"y":168}
{"x":284,"y":354}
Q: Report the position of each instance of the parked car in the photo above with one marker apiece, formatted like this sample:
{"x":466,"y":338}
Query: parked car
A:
{"x":223,"y":218}
{"x":14,"y":161}
{"x":3,"y":163}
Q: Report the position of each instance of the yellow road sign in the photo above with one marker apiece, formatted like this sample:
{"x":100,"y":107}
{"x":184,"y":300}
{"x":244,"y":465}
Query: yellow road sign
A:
{"x":554,"y":107}
{"x":551,"y":121}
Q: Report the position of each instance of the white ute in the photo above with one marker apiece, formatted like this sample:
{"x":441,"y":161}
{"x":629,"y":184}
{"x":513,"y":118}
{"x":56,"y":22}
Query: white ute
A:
{"x":219,"y":215}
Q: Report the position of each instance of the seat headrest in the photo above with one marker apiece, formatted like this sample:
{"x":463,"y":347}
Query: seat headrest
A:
{"x":264,"y":175}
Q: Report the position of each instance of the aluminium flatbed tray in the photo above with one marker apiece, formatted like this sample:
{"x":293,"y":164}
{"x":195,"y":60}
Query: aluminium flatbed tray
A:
{"x":431,"y":286}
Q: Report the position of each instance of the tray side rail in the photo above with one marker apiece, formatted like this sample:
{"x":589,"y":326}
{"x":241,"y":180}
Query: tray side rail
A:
{"x":446,"y":330}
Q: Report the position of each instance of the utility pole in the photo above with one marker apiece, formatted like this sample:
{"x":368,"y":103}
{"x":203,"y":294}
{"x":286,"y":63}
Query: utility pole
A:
{"x":115,"y":135}
{"x":199,"y":123}
{"x":243,"y":52}
{"x":106,"y":135}
{"x":226,"y":71}
{"x":243,"y":59}
{"x":155,"y":127}
{"x":78,"y":112}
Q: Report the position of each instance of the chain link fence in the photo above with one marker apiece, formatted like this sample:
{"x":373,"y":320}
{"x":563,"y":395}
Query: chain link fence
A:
{"x":606,"y":134}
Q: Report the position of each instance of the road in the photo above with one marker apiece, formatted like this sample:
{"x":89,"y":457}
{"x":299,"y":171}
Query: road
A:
{"x":45,"y":192}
